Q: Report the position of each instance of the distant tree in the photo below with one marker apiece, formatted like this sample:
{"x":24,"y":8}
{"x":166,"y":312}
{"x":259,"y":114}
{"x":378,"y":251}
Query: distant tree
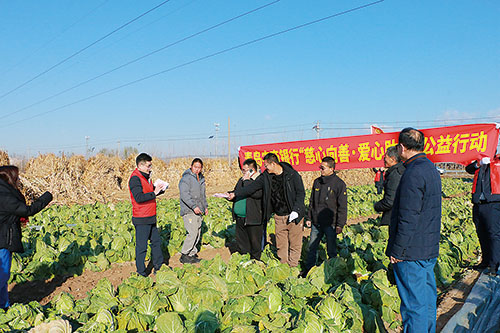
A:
{"x":127,"y":151}
{"x":107,"y":152}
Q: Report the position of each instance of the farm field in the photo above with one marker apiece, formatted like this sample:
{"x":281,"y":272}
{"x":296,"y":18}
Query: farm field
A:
{"x":353,"y":292}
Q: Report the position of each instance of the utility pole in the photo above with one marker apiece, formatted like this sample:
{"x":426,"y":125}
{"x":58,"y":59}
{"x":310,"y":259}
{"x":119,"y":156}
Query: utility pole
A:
{"x":216,"y":132}
{"x":228,"y":142}
{"x":317,"y":128}
{"x":87,"y":146}
{"x":118,"y":151}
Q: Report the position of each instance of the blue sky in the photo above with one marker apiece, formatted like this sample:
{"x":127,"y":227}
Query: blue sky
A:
{"x":394,"y":64}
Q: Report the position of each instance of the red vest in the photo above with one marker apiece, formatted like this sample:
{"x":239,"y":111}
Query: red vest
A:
{"x":494,"y":176}
{"x":143,"y":209}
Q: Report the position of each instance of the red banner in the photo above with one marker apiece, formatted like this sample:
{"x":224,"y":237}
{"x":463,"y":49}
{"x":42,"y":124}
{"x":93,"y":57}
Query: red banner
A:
{"x":459,"y":144}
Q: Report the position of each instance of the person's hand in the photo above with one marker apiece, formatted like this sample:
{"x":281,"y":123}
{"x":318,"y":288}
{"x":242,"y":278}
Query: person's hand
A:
{"x":197,"y":211}
{"x":484,"y":161}
{"x":308,"y":224}
{"x":395,"y":260}
{"x":158,"y":189}
{"x":230,"y":196}
{"x":206,"y":211}
{"x":338,"y":230}
{"x":293,"y":216}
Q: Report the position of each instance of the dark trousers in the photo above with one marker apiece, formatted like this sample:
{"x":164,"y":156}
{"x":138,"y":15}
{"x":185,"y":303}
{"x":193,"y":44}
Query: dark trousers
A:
{"x":249,"y":238}
{"x":143,"y":233}
{"x":486,"y":217}
{"x":317,"y":233}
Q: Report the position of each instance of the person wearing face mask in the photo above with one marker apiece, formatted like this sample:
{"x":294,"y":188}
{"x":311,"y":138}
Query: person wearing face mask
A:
{"x":327,"y":213}
{"x":193,"y":202}
{"x":143,"y":196}
{"x":282,"y":194}
{"x":393,"y":174}
{"x":248,"y":214}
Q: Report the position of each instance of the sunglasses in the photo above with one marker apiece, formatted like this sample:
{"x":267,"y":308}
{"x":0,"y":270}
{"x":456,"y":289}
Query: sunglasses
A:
{"x":322,"y":167}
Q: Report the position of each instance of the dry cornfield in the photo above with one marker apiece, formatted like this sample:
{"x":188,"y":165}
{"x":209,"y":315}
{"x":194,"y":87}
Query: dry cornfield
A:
{"x":104,"y":178}
{"x":4,"y":158}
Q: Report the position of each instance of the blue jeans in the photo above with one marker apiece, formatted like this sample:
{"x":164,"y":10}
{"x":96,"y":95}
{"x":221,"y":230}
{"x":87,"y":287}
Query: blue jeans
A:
{"x":317,"y":233}
{"x":417,"y":289}
{"x":5,"y":261}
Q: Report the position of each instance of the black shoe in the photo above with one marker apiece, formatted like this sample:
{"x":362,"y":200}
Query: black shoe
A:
{"x":493,"y":270}
{"x":481,"y":265}
{"x":185,"y":259}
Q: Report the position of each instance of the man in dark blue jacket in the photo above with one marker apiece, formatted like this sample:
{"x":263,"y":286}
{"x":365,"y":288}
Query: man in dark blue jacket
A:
{"x":414,"y":234}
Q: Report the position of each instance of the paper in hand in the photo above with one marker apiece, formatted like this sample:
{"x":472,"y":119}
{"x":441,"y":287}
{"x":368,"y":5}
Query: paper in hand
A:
{"x":221,"y":195}
{"x":162,"y":184}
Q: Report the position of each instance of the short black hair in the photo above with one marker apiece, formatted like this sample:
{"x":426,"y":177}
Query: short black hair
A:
{"x":330,"y":161}
{"x":271,"y":158}
{"x":251,"y":163}
{"x":142,"y":157}
{"x":412,"y":139}
{"x":392,"y":152}
{"x":197,"y":160}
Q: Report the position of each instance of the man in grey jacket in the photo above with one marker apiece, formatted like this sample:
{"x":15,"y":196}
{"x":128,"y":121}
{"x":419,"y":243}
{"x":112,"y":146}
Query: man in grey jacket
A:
{"x":193,"y":202}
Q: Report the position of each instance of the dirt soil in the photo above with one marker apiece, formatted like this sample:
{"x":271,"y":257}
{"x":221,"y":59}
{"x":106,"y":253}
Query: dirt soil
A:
{"x":78,"y":286}
{"x":452,"y":301}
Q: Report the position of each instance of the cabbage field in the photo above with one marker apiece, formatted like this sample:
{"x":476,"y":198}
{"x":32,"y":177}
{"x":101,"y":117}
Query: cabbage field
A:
{"x":354,"y":292}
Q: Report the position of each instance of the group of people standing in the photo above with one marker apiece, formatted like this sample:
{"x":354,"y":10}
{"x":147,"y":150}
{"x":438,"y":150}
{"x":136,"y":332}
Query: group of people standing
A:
{"x":411,"y":207}
{"x":279,"y":192}
{"x":193,"y":205}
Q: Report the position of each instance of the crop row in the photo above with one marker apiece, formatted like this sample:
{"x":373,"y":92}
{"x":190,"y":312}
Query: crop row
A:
{"x":352,"y":292}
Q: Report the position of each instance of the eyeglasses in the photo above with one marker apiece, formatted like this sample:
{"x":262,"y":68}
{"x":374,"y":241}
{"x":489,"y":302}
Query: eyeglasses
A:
{"x":322,"y":167}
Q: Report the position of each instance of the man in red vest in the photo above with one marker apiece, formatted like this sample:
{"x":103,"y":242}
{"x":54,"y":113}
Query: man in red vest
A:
{"x":143,"y":196}
{"x":486,"y":209}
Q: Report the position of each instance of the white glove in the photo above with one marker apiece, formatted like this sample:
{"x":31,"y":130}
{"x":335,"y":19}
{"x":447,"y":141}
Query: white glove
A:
{"x":484,"y":161}
{"x":497,"y":125}
{"x":293,"y":216}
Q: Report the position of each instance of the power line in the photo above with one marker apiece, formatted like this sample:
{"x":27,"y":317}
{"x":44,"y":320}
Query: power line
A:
{"x":83,"y":49}
{"x":416,"y":121}
{"x":54,"y":37}
{"x":141,"y":57}
{"x":197,"y":60}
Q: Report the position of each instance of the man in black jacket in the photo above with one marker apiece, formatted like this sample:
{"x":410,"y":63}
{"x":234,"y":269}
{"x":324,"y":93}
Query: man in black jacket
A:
{"x":248,"y":214}
{"x":327,"y":212}
{"x":143,"y":196}
{"x":393,"y":174}
{"x":486,"y":209}
{"x":282,"y":194}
